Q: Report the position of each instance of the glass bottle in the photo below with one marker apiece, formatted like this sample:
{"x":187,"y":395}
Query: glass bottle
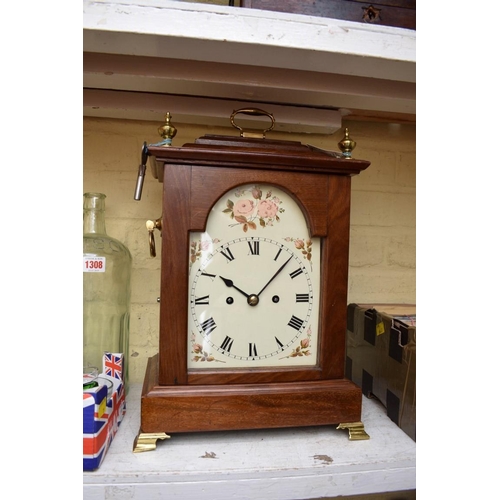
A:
{"x":107,"y":266}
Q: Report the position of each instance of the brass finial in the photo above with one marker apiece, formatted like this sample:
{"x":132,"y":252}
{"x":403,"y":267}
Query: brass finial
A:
{"x":167,"y":131}
{"x":346,"y":145}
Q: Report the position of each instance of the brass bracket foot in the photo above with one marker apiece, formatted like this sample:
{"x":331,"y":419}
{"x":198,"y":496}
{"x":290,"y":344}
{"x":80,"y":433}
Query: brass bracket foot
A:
{"x":147,"y":441}
{"x":356,"y":431}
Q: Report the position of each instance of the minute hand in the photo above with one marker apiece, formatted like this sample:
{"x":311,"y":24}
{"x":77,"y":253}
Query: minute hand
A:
{"x":275,"y":274}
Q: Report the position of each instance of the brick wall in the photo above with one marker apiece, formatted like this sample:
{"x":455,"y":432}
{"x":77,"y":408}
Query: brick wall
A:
{"x":382,"y":255}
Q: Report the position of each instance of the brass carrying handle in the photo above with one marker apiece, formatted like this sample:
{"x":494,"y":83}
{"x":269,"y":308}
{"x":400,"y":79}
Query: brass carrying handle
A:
{"x":254,"y":112}
{"x":151,"y":226}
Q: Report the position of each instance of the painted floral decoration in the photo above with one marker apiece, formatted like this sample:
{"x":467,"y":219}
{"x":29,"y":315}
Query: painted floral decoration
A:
{"x":253,"y":208}
{"x":199,"y":354}
{"x":304,"y":246}
{"x":303,"y":348}
{"x":197,"y":247}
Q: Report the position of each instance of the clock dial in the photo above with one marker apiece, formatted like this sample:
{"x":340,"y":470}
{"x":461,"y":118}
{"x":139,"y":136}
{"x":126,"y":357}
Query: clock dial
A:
{"x":254,"y":292}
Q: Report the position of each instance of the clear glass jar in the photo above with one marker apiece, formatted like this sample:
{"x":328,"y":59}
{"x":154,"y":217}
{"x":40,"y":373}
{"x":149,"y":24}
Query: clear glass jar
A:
{"x":107,"y":267}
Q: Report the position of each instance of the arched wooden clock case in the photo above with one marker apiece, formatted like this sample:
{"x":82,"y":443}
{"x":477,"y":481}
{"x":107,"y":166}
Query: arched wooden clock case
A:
{"x":177,"y":399}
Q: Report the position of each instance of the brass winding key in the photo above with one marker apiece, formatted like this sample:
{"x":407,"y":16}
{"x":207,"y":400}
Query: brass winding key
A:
{"x":151,"y":225}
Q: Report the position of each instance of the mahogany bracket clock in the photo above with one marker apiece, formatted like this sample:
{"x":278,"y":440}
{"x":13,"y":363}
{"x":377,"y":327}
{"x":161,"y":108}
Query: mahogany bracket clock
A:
{"x":253,"y":301}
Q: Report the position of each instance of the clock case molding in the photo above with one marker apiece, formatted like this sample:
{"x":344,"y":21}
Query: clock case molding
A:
{"x":194,"y":177}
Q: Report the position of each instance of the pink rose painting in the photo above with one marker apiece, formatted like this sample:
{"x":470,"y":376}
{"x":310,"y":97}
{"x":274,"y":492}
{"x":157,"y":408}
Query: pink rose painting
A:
{"x":303,"y":348}
{"x":305,"y":247}
{"x":299,"y":244}
{"x":243,"y":208}
{"x":200,"y":355}
{"x":197,"y":247}
{"x":251,"y":211}
{"x":267,"y":209}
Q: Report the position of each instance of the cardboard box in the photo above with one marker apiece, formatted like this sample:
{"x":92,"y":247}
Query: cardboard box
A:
{"x":381,"y":358}
{"x":103,"y":411}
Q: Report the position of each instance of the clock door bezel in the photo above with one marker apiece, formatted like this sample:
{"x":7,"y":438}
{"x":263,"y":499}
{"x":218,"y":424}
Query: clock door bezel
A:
{"x":190,"y":191}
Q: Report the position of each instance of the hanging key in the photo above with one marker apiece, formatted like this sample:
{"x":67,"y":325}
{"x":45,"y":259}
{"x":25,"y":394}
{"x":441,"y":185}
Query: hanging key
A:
{"x":151,"y":225}
{"x":142,"y":172}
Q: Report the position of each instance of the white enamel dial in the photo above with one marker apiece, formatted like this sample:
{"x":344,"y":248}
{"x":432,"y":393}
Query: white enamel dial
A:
{"x":253,"y":285}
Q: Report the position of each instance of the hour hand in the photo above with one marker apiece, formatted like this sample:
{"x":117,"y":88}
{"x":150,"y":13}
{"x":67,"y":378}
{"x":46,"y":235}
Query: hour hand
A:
{"x":229,"y":283}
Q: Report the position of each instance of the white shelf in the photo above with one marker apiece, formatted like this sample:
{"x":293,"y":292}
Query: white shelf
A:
{"x":284,"y":464}
{"x":201,"y":61}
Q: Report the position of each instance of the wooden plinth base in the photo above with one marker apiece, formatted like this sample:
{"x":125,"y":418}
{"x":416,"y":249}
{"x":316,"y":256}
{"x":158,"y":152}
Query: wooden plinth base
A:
{"x":200,"y":408}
